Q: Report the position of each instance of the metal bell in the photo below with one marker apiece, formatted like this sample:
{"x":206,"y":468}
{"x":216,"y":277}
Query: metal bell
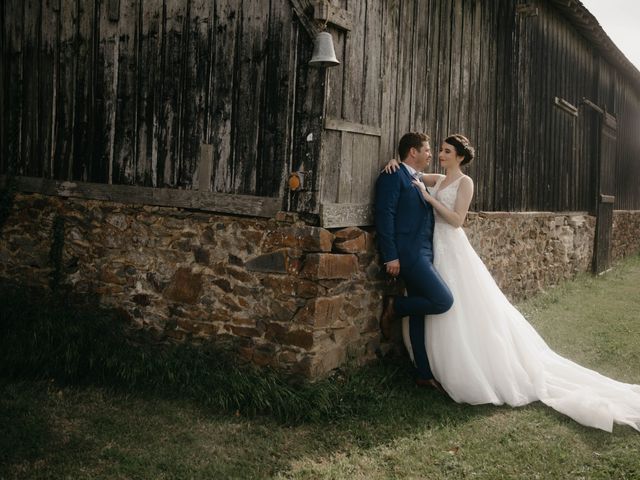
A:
{"x":323,"y":53}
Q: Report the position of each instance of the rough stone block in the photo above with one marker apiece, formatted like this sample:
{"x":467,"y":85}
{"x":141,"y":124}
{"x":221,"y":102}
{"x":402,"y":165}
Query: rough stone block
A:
{"x":197,"y":328}
{"x":253,"y":237}
{"x":307,"y":289}
{"x":292,"y":287}
{"x":287,"y":357}
{"x":246,"y":352}
{"x":281,"y":334}
{"x":286,"y":217}
{"x":275,"y":332}
{"x":306,"y":238}
{"x":239,"y":274}
{"x":321,"y":312}
{"x":141,"y":299}
{"x":119,"y":221}
{"x":184,"y":287}
{"x":177,"y":335}
{"x":325,"y":361}
{"x":264,"y":355}
{"x":346,"y":335}
{"x":108,"y":289}
{"x":108,"y":276}
{"x":154,"y":280}
{"x":352,"y":240}
{"x":329,"y":265}
{"x":271,"y":262}
{"x":282,"y":310}
{"x":299,"y":338}
{"x":201,"y":256}
{"x":245,"y":331}
{"x":223,"y":284}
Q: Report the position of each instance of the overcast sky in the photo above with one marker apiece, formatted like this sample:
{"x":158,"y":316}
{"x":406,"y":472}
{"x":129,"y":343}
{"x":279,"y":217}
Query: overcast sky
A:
{"x":621,"y":20}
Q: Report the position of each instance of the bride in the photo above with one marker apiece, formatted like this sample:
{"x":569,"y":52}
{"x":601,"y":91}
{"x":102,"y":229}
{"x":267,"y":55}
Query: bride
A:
{"x":483,"y":350}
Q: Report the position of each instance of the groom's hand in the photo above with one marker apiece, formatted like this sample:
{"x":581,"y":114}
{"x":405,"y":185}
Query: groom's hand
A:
{"x":393,"y":268}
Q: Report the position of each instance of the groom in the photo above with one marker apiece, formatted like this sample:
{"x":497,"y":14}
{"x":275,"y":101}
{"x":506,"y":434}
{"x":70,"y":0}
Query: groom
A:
{"x":404,"y":226}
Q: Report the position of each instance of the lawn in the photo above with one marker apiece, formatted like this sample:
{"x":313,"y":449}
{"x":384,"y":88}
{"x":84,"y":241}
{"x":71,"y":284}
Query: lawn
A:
{"x":53,"y":430}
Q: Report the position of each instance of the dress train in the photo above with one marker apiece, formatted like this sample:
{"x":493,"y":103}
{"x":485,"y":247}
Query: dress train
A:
{"x":484,"y":351}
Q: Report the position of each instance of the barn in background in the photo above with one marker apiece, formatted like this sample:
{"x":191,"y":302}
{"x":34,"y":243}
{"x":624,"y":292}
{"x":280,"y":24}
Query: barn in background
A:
{"x":153,"y":140}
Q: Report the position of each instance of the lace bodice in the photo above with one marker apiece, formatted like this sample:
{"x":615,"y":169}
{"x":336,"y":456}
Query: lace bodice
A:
{"x":446,"y":195}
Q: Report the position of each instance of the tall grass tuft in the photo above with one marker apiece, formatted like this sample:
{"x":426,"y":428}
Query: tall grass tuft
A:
{"x":50,"y":337}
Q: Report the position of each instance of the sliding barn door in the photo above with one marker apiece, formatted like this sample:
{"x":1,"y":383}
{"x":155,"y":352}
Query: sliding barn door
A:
{"x":605,"y":198}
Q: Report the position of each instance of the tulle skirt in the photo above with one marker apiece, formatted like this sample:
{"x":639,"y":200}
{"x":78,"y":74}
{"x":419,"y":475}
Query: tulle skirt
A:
{"x":484,"y":351}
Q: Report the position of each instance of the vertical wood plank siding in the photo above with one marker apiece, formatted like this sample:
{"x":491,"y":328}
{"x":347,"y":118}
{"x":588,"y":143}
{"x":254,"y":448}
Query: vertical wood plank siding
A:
{"x":163,"y":92}
{"x":484,"y":70}
{"x":627,"y":175}
{"x":130,"y":98}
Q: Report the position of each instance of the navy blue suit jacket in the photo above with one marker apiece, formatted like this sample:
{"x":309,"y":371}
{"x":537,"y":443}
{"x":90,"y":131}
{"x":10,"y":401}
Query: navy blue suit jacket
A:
{"x":404,"y":219}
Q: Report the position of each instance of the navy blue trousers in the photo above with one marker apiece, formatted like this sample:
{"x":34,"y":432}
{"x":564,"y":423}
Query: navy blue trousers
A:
{"x":427,"y":294}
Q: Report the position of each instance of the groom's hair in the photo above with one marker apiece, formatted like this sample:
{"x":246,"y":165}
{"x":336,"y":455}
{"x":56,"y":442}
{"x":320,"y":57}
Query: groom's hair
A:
{"x":411,"y":140}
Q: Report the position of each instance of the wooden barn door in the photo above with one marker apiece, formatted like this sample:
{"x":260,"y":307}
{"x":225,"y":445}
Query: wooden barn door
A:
{"x":605,"y":191}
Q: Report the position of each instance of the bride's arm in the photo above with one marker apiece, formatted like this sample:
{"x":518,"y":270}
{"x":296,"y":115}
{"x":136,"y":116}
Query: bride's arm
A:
{"x":456,"y":216}
{"x":391,"y":166}
{"x":430,"y":179}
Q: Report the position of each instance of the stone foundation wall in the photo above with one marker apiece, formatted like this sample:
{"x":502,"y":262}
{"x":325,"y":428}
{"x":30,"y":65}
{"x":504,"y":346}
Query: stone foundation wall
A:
{"x":625,"y":238}
{"x":293,"y":296}
{"x":529,"y":251}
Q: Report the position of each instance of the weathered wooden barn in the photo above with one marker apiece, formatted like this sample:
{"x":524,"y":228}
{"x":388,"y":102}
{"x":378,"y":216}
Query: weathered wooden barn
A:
{"x":216,"y":95}
{"x":209,"y":105}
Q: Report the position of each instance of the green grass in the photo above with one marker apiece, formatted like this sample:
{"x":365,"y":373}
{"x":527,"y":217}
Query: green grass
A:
{"x":57,"y":338}
{"x":390,"y":430}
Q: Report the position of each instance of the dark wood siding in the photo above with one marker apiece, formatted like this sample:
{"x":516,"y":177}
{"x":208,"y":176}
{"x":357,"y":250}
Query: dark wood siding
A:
{"x":151,"y":93}
{"x":627,"y":178}
{"x":217,"y":95}
{"x":507,"y":80}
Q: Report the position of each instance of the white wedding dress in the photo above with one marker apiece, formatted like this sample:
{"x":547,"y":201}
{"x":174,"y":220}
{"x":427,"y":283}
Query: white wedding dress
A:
{"x":484,"y":351}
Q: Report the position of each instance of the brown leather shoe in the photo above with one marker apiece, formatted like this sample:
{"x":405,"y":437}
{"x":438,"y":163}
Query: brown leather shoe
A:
{"x":431,"y":383}
{"x":387,"y":317}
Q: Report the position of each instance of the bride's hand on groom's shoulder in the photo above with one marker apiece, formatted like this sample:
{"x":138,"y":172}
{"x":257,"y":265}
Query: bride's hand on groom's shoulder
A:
{"x":391,"y":166}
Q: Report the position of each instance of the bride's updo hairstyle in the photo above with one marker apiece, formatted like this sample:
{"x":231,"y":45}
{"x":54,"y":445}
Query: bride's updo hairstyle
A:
{"x":463,"y":147}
